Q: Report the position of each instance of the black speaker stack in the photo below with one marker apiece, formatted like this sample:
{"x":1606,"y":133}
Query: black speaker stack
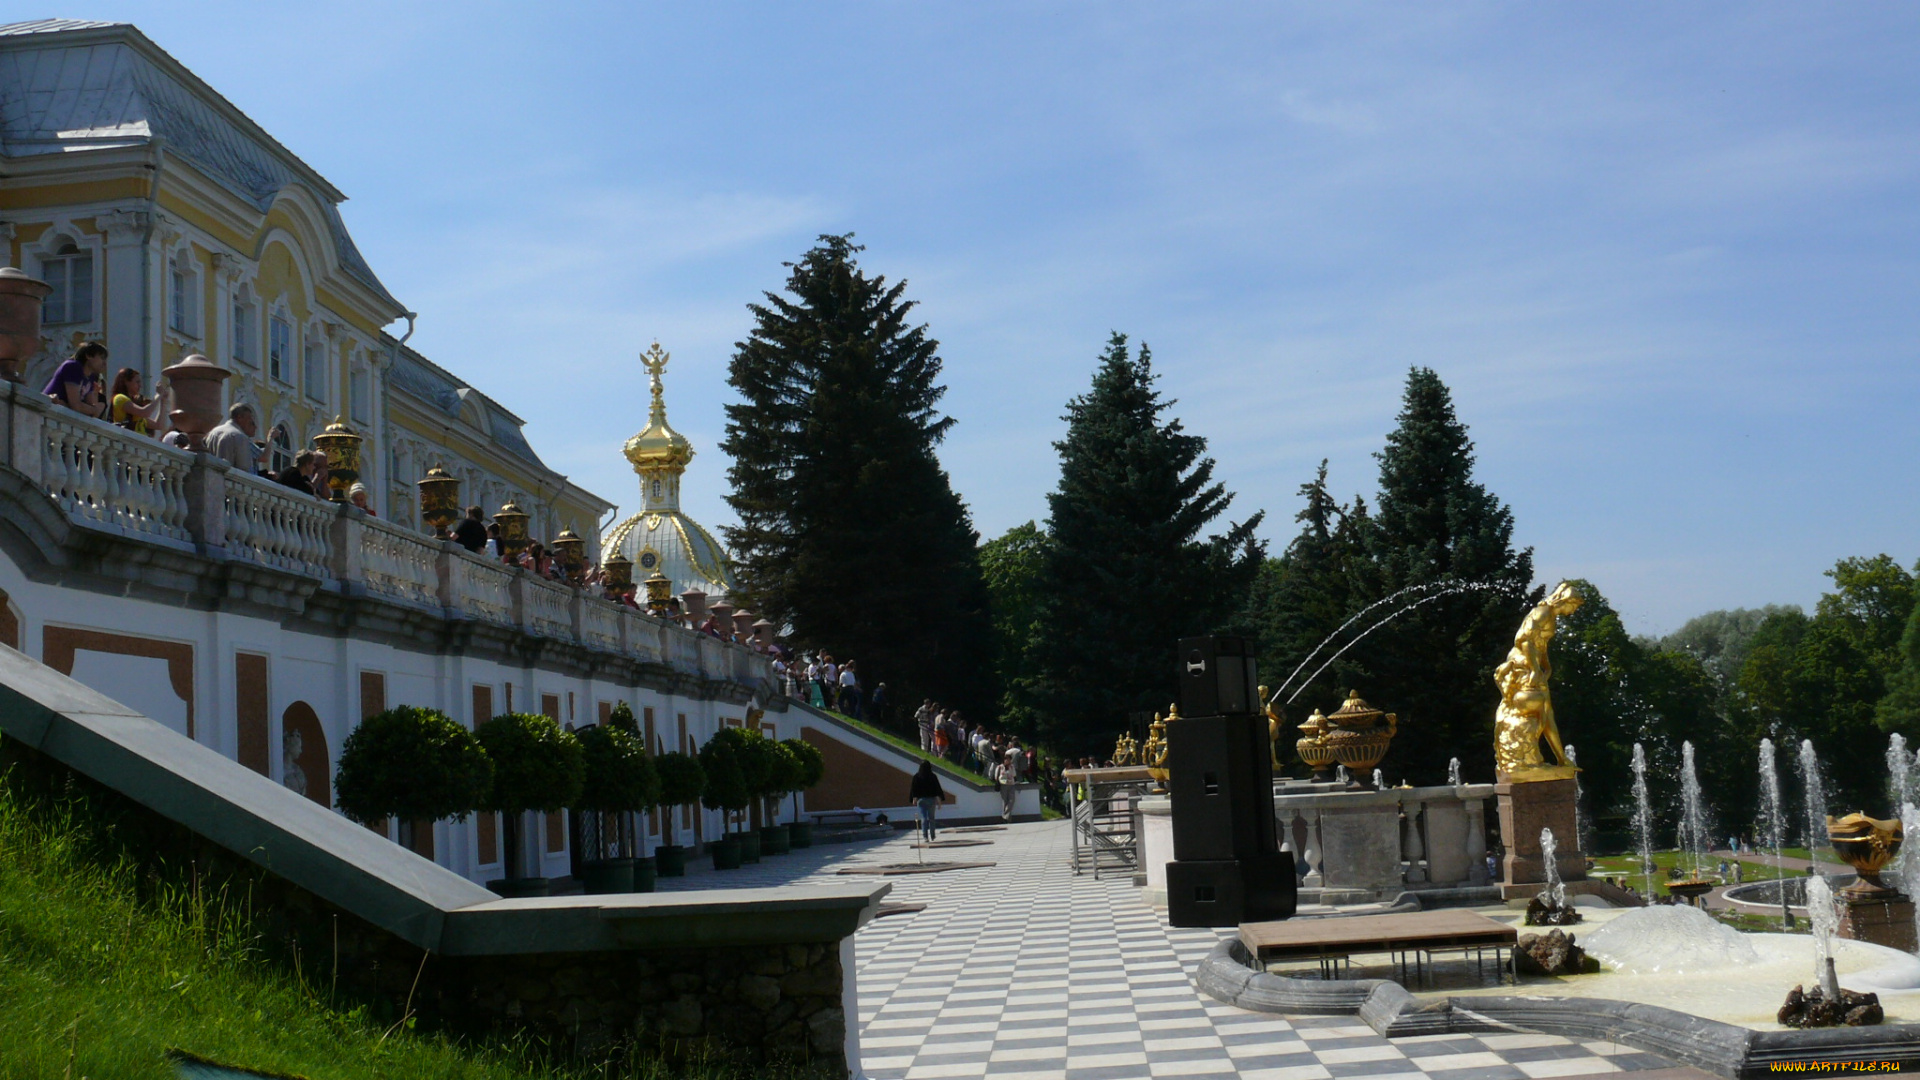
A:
{"x":1228,"y":867}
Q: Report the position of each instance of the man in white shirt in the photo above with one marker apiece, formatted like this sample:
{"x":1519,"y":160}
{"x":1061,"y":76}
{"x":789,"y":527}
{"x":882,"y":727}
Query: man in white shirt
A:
{"x":232,"y":442}
{"x":923,"y":718}
{"x":850,"y":691}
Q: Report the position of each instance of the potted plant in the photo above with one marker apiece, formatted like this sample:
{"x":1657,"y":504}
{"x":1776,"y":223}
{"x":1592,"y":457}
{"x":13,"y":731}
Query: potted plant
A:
{"x":682,"y":781}
{"x":536,"y":766}
{"x":756,"y":769}
{"x":810,"y":767}
{"x":619,"y":781}
{"x":783,"y":774}
{"x":727,"y":791}
{"x":414,"y":764}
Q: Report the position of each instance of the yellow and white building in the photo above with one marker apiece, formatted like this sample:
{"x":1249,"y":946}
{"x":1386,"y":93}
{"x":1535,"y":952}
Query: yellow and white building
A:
{"x":168,"y":224}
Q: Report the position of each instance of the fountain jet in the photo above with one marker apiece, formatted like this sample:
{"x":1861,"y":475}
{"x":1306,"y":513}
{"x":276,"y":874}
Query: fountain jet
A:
{"x":1816,"y":802}
{"x":1773,"y":820}
{"x":1643,"y":817}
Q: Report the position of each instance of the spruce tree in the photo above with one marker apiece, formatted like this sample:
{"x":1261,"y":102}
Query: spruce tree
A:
{"x":1432,"y":525}
{"x":1306,"y":593}
{"x":849,"y":529}
{"x":1126,"y":572}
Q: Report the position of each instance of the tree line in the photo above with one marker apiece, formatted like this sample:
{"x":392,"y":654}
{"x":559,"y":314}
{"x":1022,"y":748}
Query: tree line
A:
{"x":852,"y":537}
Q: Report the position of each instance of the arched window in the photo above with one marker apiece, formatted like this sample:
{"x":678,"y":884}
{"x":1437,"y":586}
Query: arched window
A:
{"x":279,"y":448}
{"x":70,"y":271}
{"x":280,"y":347}
{"x":360,"y":392}
{"x":243,"y":348}
{"x":313,"y":365}
{"x":182,"y":292}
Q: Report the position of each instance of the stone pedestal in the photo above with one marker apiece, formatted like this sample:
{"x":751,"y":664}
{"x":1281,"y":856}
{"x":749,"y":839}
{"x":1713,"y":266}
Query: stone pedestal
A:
{"x":1525,"y":809}
{"x":1882,"y":916}
{"x":1360,"y":847}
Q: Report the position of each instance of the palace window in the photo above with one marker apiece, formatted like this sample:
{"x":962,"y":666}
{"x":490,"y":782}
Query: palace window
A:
{"x":241,"y":348}
{"x":313,"y":365}
{"x":359,"y":396}
{"x":279,"y":448}
{"x":70,"y":271}
{"x":180,"y":282}
{"x":279,"y":347}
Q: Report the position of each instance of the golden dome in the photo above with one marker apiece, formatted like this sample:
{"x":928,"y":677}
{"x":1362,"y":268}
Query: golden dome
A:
{"x":658,"y":446}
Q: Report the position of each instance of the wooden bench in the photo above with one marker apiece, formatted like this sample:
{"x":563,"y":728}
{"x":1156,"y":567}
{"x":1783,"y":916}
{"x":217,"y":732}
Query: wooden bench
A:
{"x":1405,"y":936}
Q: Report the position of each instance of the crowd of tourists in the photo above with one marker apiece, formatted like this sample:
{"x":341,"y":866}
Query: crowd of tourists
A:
{"x":825,"y":683}
{"x":79,"y":384}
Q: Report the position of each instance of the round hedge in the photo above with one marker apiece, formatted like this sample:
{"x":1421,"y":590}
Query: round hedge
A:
{"x":536,"y":765}
{"x":785,"y":774}
{"x":809,"y":761}
{"x":411,"y":763}
{"x":619,"y":771}
{"x":682,"y":780}
{"x":622,"y":717}
{"x":723,"y":759}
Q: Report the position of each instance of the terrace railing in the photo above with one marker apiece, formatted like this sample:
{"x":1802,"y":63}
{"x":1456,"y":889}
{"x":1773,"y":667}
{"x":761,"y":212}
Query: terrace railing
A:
{"x":106,"y":479}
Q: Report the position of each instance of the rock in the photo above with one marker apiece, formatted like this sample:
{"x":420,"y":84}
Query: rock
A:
{"x":1552,"y":953}
{"x":1812,"y":1008}
{"x":827,"y":1030}
{"x":1542,"y":912}
{"x":759,"y":992}
{"x":681,"y":1016}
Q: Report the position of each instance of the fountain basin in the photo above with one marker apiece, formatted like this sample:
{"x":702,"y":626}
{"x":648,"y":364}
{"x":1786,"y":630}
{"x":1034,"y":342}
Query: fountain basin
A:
{"x":1763,"y":897}
{"x":1745,"y":994}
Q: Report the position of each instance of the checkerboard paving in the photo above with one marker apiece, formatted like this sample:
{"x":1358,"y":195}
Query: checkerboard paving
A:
{"x":1021,"y":971}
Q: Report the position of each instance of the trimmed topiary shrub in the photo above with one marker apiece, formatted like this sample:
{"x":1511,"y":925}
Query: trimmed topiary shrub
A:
{"x":682,"y":781}
{"x":621,"y":717}
{"x":725,"y":761}
{"x":619,"y":780}
{"x":536,"y":766}
{"x":810,"y":767}
{"x":413,"y":764}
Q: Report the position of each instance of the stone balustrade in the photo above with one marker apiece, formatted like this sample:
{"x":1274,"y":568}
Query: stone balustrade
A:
{"x":1365,"y":845}
{"x":212,"y":518}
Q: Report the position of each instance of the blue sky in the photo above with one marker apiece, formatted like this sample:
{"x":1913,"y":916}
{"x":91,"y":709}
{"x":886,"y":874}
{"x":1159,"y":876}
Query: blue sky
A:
{"x":1665,"y":255}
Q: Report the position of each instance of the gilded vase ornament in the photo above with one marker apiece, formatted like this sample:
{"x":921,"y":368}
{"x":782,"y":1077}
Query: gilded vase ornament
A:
{"x":1154,"y":754}
{"x":1867,"y":844}
{"x":1312,"y":746}
{"x":1358,"y":734}
{"x":1126,"y":751}
{"x":1526,"y":711}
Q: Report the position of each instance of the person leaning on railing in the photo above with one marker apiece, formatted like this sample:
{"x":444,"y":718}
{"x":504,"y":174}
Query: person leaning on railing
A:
{"x":76,"y":382}
{"x":232,"y":441}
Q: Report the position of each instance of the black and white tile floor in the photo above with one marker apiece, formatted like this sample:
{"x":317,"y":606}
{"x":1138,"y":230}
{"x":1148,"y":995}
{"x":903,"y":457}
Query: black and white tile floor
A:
{"x":1021,"y":971}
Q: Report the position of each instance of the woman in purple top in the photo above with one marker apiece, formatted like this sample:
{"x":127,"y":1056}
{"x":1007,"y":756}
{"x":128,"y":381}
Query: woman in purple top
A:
{"x":76,"y":382}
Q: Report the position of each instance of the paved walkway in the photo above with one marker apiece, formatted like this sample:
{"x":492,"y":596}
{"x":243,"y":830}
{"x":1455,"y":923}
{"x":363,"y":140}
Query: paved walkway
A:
{"x":1021,"y":971}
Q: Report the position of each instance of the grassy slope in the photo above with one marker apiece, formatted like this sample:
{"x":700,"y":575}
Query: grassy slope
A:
{"x":87,"y":968}
{"x":909,"y":749}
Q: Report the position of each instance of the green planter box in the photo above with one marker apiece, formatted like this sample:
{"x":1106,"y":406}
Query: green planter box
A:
{"x":604,"y":876}
{"x":774,"y":840}
{"x":800,"y":834}
{"x":513,"y":888}
{"x":644,"y":873}
{"x":749,"y":845}
{"x":670,"y":860}
{"x":726,"y":853}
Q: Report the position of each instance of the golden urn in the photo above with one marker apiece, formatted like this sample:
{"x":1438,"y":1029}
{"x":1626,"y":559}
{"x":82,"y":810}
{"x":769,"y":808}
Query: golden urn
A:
{"x":439,"y":499}
{"x":1126,"y":751}
{"x":570,"y":551}
{"x":513,"y":529}
{"x":1357,"y":738}
{"x":1867,"y":844}
{"x":619,"y":573}
{"x":341,"y":444}
{"x":1154,"y":754}
{"x":1313,"y":748}
{"x":659,"y":595}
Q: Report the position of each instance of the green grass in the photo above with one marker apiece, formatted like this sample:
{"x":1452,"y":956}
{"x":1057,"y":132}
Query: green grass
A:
{"x":1628,"y":866}
{"x":97,"y":982}
{"x":905,"y":747}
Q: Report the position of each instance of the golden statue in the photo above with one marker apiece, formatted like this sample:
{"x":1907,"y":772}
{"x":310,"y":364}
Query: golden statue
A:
{"x":1526,"y":710}
{"x":1154,"y":754}
{"x":1273,"y":727}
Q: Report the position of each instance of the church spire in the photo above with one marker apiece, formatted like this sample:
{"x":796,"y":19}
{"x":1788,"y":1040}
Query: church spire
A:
{"x":659,"y":453}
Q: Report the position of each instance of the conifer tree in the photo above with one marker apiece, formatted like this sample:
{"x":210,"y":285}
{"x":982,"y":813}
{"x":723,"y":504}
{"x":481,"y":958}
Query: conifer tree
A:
{"x":1433,"y":523}
{"x":1126,"y":572}
{"x":849,"y":529}
{"x":1306,"y":593}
